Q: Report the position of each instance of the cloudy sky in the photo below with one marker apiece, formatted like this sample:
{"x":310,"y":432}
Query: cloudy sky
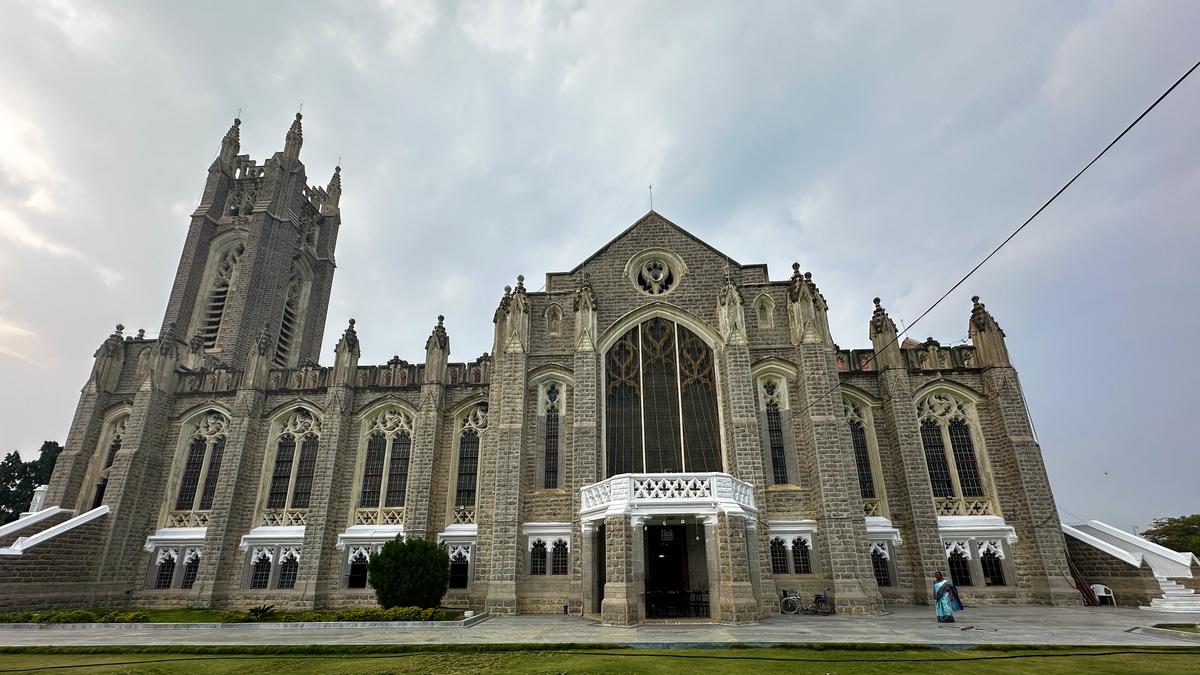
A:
{"x":885,"y":146}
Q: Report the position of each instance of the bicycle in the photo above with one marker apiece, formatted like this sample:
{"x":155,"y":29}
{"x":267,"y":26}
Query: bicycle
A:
{"x":821,"y":605}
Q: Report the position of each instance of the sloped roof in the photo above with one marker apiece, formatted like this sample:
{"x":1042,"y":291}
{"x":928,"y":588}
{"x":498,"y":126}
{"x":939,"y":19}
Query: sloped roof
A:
{"x":638,"y":223}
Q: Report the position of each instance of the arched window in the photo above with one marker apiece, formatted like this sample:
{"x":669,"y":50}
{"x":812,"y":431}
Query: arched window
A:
{"x":553,"y":320}
{"x":558,"y":557}
{"x":202,"y":463}
{"x":801,"y":559}
{"x":260,"y":568}
{"x":292,"y":474}
{"x":473,"y":426}
{"x":385,"y":468}
{"x":109,"y":445}
{"x":880,"y":564}
{"x":289,"y":566}
{"x":958,"y":559}
{"x":537,"y":558}
{"x":946,"y":424}
{"x":991,"y":560}
{"x":550,"y":402}
{"x":357,"y":578}
{"x":191,"y":566}
{"x":764,"y":309}
{"x":166,"y":568}
{"x":661,"y":402}
{"x":460,"y":566}
{"x":289,"y":328}
{"x":776,"y":426}
{"x":779,"y":561}
{"x":862,"y":452}
{"x":214,"y":308}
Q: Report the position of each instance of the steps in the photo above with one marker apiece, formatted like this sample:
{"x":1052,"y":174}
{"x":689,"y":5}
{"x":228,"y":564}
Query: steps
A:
{"x":1175,"y":598}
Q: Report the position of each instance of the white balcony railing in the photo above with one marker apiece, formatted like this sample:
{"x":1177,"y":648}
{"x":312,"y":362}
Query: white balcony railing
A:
{"x":666,"y":493}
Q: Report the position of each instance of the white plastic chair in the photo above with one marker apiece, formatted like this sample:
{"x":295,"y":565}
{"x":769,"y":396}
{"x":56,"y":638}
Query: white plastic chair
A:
{"x":1104,"y":595}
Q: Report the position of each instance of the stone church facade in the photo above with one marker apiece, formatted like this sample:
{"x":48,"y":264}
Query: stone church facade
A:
{"x":661,"y":432}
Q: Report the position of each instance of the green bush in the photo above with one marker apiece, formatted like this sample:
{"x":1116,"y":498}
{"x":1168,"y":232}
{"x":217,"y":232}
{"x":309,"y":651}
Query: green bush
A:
{"x":236,"y":617}
{"x":308,"y":616}
{"x":17,"y":617}
{"x":126,"y":616}
{"x":409,"y":573}
{"x":394,"y":614}
{"x":67,"y":616}
{"x":261,"y":612}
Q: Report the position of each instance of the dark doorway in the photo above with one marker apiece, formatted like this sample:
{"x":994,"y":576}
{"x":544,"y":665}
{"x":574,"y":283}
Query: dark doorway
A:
{"x":99,"y":498}
{"x":669,"y":591}
{"x":601,"y":572}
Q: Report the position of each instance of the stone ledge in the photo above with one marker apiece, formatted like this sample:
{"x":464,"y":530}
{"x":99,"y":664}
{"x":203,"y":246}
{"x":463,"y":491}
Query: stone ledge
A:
{"x":289,"y":625}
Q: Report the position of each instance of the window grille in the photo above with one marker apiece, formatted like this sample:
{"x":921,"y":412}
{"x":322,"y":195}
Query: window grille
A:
{"x":287,"y":329}
{"x":862,"y":457}
{"x":191,"y":474}
{"x":779,"y":561}
{"x":190,"y":569}
{"x":960,"y":569}
{"x":213,"y":473}
{"x":214,"y":310}
{"x":551,"y":455}
{"x":288,"y":568}
{"x":883,"y":573}
{"x":282,"y":475}
{"x":558,"y":558}
{"x":537,"y":558}
{"x":372,"y":471}
{"x":661,"y":405}
{"x":468,"y":465}
{"x":460,"y":567}
{"x":260,"y":573}
{"x":304,"y":472}
{"x":112,"y":452}
{"x":398,"y":470}
{"x":964,"y":459}
{"x":935,"y":459}
{"x":775,"y":437}
{"x":993,"y":569}
{"x":801,"y":560}
{"x":166,"y":572}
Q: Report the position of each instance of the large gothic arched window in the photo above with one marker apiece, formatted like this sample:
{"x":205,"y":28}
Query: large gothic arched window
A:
{"x":201,"y":468}
{"x":214,"y":306}
{"x":661,"y":402}
{"x":955,"y":471}
{"x":384,"y":473}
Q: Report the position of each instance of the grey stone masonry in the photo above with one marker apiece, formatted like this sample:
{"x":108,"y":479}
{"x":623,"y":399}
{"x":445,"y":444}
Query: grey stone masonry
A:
{"x":737,"y":602}
{"x":620,"y":604}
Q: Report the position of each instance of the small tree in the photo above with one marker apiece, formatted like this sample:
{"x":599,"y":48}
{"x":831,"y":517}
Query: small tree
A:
{"x":1179,"y":534}
{"x":409,"y":573}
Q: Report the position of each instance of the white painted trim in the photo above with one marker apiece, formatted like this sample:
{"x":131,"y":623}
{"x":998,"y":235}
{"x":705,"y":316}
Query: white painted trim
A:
{"x":24,"y":543}
{"x":31,"y":519}
{"x":975,"y":527}
{"x":881,"y":529}
{"x":357,"y":535}
{"x":790,"y":529}
{"x":547,"y":532}
{"x":1164,"y":561}
{"x":459,"y":534}
{"x":176,"y":536}
{"x":286,"y":535}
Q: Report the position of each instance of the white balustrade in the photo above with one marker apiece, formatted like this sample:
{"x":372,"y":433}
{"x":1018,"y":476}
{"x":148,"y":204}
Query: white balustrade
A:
{"x":666,"y":493}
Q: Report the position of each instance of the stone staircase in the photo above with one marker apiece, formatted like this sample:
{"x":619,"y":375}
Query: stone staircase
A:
{"x":1175,"y":597}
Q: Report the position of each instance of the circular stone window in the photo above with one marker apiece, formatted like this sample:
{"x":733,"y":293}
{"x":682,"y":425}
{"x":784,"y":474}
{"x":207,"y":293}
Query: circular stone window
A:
{"x":655,"y":271}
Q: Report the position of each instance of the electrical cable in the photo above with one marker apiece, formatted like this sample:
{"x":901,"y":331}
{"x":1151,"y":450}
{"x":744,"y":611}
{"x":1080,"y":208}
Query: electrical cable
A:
{"x":1018,"y":230}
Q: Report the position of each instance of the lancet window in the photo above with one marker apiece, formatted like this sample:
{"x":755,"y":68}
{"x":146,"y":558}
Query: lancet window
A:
{"x":472,"y":428}
{"x":109,"y":446}
{"x":947,"y":434}
{"x":550,"y":434}
{"x":385,"y":467}
{"x":203,"y":451}
{"x":295,"y":462}
{"x":661,"y":402}
{"x":289,"y":328}
{"x":214,"y":306}
{"x":776,"y":429}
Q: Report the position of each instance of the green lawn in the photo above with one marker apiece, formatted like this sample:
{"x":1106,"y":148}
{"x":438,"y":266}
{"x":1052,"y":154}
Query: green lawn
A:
{"x":690,"y":661}
{"x":1185,"y":627}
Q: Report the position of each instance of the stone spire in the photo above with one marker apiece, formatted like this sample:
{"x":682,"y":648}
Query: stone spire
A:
{"x":807,"y":310}
{"x":437,"y":352}
{"x":294,"y":139}
{"x":231,"y":145}
{"x":334,"y":191}
{"x":345,"y":357}
{"x":517,"y":320}
{"x":884,"y":340}
{"x":731,"y":315}
{"x":585,"y":315}
{"x":987,"y":337}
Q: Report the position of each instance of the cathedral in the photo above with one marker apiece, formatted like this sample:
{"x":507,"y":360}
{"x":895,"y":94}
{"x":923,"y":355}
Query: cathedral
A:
{"x":663,"y":432}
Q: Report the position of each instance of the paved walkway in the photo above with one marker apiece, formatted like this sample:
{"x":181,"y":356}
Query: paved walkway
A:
{"x":983,"y":625}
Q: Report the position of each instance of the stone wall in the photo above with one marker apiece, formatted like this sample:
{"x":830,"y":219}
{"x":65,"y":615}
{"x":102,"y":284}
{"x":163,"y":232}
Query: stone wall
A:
{"x":1131,"y":586}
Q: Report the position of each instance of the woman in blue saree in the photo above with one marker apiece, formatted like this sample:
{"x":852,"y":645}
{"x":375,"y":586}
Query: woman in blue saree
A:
{"x":945,"y":596}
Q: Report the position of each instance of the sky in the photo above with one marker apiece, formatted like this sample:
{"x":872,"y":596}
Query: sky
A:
{"x":886,"y":147}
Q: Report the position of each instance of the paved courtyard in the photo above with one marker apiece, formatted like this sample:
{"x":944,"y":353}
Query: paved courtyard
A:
{"x":983,"y":625}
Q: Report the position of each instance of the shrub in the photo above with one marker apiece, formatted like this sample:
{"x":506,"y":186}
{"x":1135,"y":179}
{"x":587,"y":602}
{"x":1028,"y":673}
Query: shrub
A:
{"x":67,"y":616}
{"x":308,"y":616}
{"x":261,"y":612}
{"x":409,"y":573}
{"x":127,"y":616}
{"x":17,"y":617}
{"x":236,"y":617}
{"x":394,"y":614}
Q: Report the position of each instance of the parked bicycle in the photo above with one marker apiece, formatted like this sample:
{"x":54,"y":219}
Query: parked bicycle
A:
{"x":821,"y":605}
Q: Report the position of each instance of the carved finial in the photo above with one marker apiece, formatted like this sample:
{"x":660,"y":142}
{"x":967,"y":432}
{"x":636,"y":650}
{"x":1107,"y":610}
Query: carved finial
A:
{"x":438,"y":338}
{"x":877,"y":307}
{"x":441,"y":319}
{"x":120,"y":329}
{"x":986,"y":336}
{"x":508,"y":290}
{"x":334,"y":191}
{"x":795,"y":268}
{"x":294,"y":139}
{"x":520,"y":283}
{"x":141,"y":335}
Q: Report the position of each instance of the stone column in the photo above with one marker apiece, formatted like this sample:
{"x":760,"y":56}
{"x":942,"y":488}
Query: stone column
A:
{"x":622,"y":560}
{"x":329,"y":502}
{"x":736,"y":603}
{"x":135,"y":486}
{"x":1026,"y":500}
{"x":505,"y":423}
{"x":425,"y":436}
{"x":923,"y":554}
{"x":236,"y":496}
{"x":585,"y":446}
{"x":841,"y":527}
{"x":70,"y":470}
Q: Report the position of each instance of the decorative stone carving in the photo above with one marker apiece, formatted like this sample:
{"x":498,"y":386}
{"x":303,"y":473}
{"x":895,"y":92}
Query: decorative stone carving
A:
{"x":585,"y":315}
{"x":957,"y":546}
{"x":731,"y":316}
{"x":881,"y":548}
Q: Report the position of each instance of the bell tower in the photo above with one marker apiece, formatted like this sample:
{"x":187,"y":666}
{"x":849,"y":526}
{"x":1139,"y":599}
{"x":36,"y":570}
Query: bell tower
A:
{"x":258,"y":258}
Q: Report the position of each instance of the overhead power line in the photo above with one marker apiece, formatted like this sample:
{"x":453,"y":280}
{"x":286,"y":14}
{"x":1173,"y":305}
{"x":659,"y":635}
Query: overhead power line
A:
{"x":1017,"y":231}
